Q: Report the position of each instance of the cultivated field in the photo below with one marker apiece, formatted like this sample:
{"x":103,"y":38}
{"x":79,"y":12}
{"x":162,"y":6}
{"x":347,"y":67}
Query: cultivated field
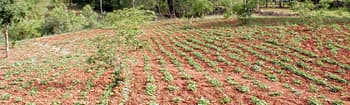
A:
{"x":206,"y":61}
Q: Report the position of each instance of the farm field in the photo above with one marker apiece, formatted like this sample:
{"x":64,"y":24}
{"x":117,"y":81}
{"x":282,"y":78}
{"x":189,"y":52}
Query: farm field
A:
{"x":205,"y":61}
{"x":213,"y":61}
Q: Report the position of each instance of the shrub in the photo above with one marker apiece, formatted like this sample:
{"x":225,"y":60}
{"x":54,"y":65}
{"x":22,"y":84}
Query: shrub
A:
{"x":347,"y":4}
{"x":244,"y":11}
{"x":60,"y":20}
{"x":309,"y":13}
{"x":91,"y":17}
{"x":25,"y":30}
{"x":194,"y":8}
{"x":129,"y":18}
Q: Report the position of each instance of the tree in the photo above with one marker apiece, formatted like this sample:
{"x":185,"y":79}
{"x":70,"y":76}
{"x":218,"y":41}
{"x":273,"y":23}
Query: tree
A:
{"x":243,"y":10}
{"x":347,"y":4}
{"x":11,"y":12}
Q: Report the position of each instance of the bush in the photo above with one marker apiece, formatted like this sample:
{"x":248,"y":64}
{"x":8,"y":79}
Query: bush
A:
{"x":347,"y":4}
{"x":310,"y":13}
{"x":90,"y":16}
{"x":112,"y":50}
{"x":60,"y":20}
{"x":25,"y":29}
{"x":198,"y":8}
{"x":129,"y":18}
{"x":244,"y":11}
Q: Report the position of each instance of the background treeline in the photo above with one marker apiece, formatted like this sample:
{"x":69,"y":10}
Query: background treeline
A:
{"x":45,"y":17}
{"x":189,"y":8}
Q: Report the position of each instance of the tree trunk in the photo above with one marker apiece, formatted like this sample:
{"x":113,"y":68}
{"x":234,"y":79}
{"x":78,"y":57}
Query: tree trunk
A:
{"x":158,"y":8}
{"x":101,"y":9}
{"x":280,"y":3}
{"x":257,"y":5}
{"x":171,"y":4}
{"x":266,"y":3}
{"x":7,"y":41}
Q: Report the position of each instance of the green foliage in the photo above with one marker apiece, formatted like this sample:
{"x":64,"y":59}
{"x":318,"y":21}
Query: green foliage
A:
{"x":273,"y":94}
{"x":25,"y":30}
{"x":5,"y":96}
{"x":310,"y":13}
{"x":196,"y":8}
{"x":338,"y":102}
{"x":192,"y":85}
{"x":347,"y":4}
{"x":313,"y":88}
{"x":335,"y":89}
{"x":106,"y":54}
{"x":243,"y":11}
{"x":172,"y":88}
{"x":61,"y":20}
{"x":176,"y":99}
{"x":336,"y":77}
{"x":226,"y":100}
{"x":255,"y":100}
{"x":314,"y":101}
{"x":238,"y":70}
{"x":150,"y":89}
{"x":146,"y":4}
{"x":231,"y":81}
{"x":12,"y":11}
{"x":243,"y":89}
{"x":203,"y":101}
{"x":90,"y":16}
{"x":129,"y":18}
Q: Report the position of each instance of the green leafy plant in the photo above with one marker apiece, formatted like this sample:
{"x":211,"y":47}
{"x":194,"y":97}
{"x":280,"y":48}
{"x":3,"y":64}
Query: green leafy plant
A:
{"x":338,"y":102}
{"x":243,"y":89}
{"x":231,"y":81}
{"x":226,"y":100}
{"x":336,"y":77}
{"x":335,"y":88}
{"x":296,"y":81}
{"x":273,"y":94}
{"x":260,"y":85}
{"x":255,"y":100}
{"x":313,"y":88}
{"x":314,"y":101}
{"x":150,"y":89}
{"x":192,"y":85}
{"x":238,"y":70}
{"x":176,"y":99}
{"x":203,"y":101}
{"x":272,"y":77}
{"x":172,"y":88}
{"x":5,"y":96}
